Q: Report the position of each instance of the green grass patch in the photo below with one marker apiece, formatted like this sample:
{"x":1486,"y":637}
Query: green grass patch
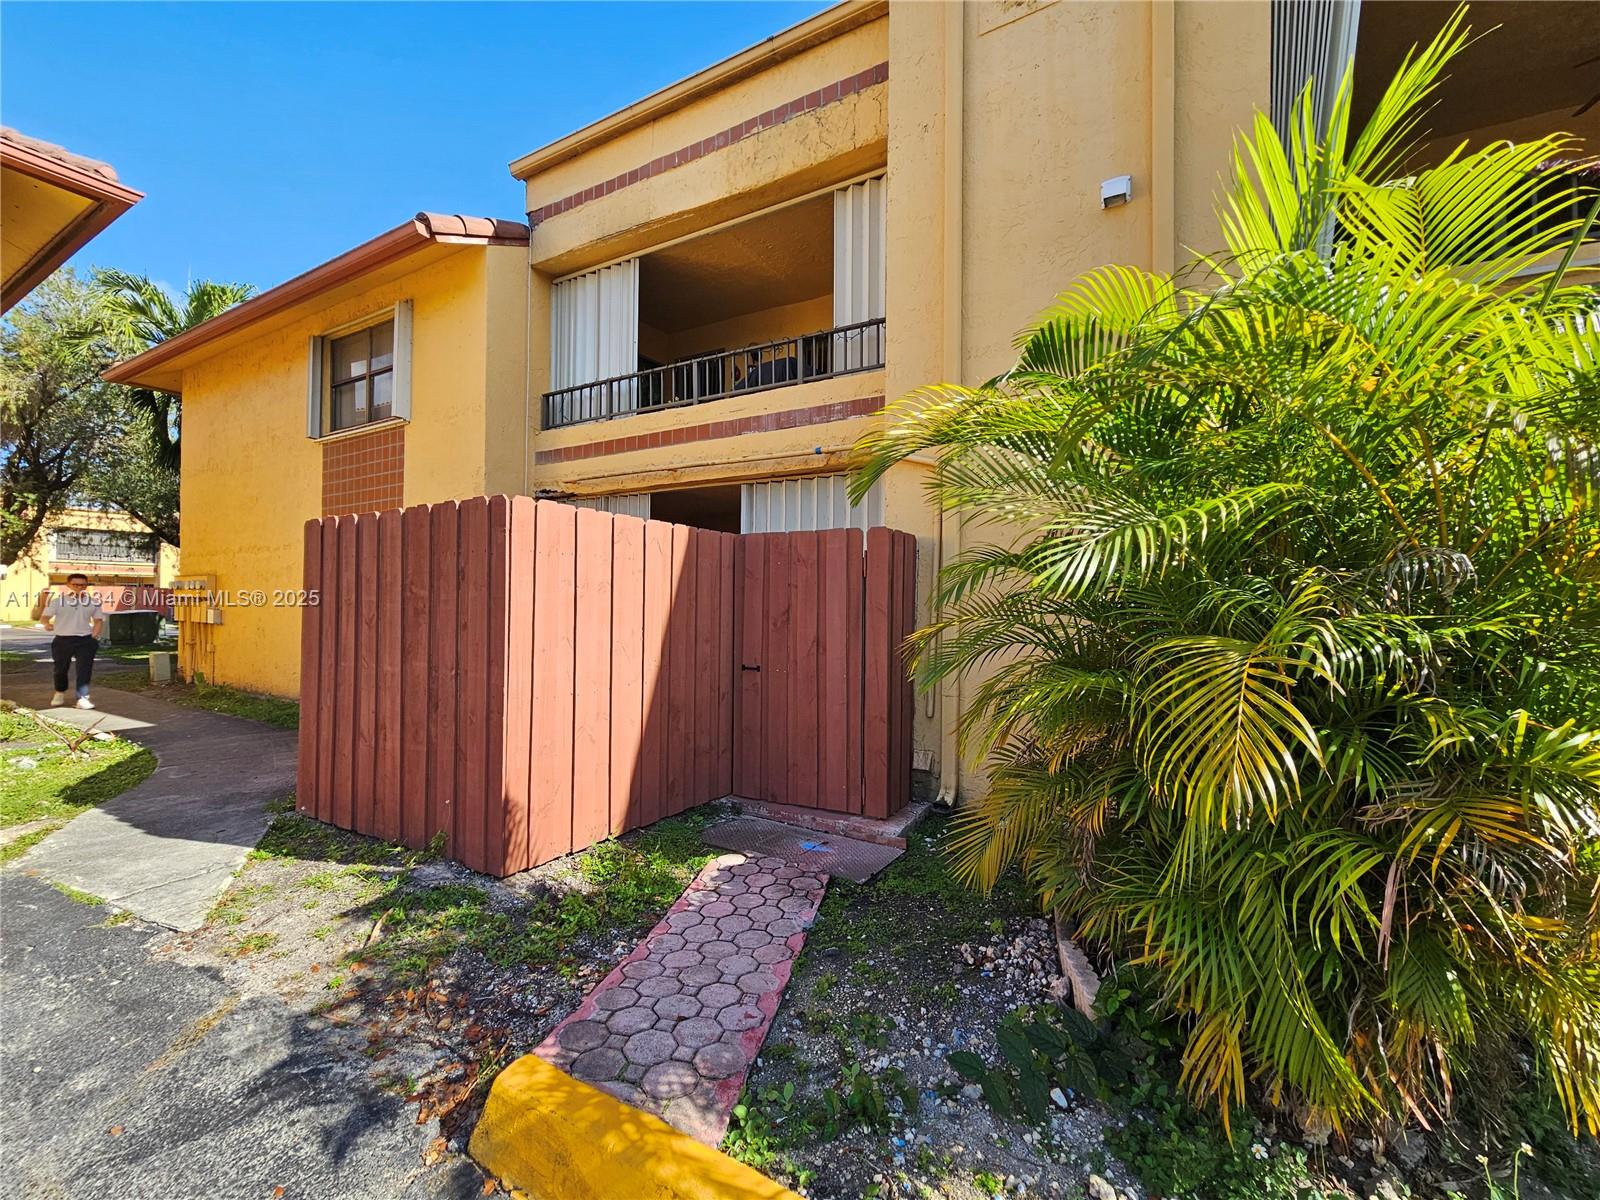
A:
{"x":617,"y":887}
{"x":61,"y":783}
{"x":78,"y":895}
{"x":212,"y":697}
{"x":19,"y":846}
{"x":885,"y":913}
{"x":254,"y":943}
{"x":134,"y":652}
{"x":628,"y":885}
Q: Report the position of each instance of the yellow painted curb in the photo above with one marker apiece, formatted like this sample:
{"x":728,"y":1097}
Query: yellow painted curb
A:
{"x":549,"y":1135}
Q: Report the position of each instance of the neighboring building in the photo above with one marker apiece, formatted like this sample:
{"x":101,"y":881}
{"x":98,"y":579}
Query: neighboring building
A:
{"x":720,"y":285}
{"x":51,"y":203}
{"x":127,"y":565}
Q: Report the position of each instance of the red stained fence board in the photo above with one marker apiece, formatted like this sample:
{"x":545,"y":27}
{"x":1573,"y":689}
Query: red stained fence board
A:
{"x":526,"y":678}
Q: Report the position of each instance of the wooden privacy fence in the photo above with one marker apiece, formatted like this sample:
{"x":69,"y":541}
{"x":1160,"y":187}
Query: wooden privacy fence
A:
{"x":526,"y":677}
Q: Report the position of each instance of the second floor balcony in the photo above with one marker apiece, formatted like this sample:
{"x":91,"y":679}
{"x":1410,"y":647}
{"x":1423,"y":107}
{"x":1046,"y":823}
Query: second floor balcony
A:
{"x":804,"y":358}
{"x":788,"y":296}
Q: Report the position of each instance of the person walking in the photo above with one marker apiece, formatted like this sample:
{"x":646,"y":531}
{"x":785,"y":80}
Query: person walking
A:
{"x":76,"y":617}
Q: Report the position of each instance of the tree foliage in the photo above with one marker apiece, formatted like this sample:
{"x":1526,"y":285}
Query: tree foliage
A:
{"x":60,"y":418}
{"x":139,"y":313}
{"x":70,"y":437}
{"x":1284,"y":628}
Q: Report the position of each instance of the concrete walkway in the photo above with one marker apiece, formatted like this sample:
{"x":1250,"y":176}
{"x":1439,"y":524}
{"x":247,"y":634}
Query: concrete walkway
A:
{"x":163,"y":850}
{"x":675,"y":1027}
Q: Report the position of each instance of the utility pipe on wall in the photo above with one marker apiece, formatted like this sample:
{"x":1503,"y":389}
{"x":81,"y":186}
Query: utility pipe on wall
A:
{"x":953,"y":363}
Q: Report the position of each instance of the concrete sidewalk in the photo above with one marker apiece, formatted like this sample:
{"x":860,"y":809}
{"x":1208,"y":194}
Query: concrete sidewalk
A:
{"x":163,"y":850}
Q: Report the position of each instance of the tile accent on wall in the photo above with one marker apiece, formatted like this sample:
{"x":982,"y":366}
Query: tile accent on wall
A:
{"x":821,"y":98}
{"x":793,"y":418}
{"x":364,"y":473}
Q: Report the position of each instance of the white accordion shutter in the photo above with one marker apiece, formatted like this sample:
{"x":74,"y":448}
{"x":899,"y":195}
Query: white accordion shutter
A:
{"x":800,"y":505}
{"x":594,"y":335}
{"x":1310,"y":39}
{"x":635,"y":504}
{"x":858,"y":268}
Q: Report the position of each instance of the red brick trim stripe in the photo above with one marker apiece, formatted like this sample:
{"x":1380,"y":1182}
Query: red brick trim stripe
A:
{"x":833,"y":92}
{"x":364,"y":474}
{"x":794,"y":418}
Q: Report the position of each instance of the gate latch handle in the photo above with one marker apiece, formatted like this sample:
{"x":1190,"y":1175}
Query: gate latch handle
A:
{"x":748,"y":667}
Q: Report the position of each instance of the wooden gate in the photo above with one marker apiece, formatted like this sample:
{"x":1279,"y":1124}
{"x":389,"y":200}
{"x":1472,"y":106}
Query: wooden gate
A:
{"x":527,"y":678}
{"x":823,"y":712}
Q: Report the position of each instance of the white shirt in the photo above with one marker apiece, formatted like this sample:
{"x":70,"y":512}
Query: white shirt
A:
{"x":74,"y":615}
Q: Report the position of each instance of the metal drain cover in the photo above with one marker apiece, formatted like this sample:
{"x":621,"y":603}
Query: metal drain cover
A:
{"x":846,"y":858}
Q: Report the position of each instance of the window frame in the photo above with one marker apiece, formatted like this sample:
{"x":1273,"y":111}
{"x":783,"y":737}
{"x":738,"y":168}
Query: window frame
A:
{"x":319,"y":389}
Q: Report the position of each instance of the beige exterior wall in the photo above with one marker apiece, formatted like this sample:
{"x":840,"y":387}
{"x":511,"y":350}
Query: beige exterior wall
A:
{"x":252,"y":477}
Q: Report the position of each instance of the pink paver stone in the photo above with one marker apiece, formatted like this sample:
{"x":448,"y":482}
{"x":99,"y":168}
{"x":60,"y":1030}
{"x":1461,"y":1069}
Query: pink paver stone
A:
{"x":718,"y":995}
{"x":618,"y":997}
{"x":697,"y":1032}
{"x":736,"y":965}
{"x":604,"y":1063}
{"x":669,"y":1080}
{"x":719,"y":1060}
{"x":650,"y":1047}
{"x":628,"y":1021}
{"x":675,"y":1027}
{"x":666,"y":984}
{"x":679,"y":1007}
{"x":586,"y":1035}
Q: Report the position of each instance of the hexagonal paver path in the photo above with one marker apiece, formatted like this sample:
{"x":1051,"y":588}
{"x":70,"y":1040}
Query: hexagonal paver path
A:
{"x":674,"y":1029}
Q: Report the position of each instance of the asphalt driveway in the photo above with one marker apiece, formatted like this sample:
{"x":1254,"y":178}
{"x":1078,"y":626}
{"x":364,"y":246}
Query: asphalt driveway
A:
{"x":125,"y":1073}
{"x":129,"y":1076}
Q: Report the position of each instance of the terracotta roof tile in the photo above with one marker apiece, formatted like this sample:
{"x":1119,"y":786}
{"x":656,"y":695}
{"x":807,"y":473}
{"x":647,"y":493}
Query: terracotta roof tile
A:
{"x":60,"y":154}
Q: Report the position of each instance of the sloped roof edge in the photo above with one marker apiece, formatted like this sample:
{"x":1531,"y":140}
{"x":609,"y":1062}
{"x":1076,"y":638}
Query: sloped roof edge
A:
{"x":406,"y":238}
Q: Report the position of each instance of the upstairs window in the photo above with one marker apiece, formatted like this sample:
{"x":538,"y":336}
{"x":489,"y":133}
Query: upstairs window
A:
{"x":360,"y":376}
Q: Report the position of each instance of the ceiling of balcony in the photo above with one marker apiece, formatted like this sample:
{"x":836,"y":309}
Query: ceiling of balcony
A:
{"x":1543,"y":58}
{"x":777,"y":258}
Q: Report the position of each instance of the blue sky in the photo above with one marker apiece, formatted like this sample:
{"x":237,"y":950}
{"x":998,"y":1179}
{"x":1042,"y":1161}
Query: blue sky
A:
{"x":269,"y":137}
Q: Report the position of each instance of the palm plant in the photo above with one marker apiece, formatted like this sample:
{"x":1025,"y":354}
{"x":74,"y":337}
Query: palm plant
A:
{"x":138,"y":314}
{"x":1284,"y":624}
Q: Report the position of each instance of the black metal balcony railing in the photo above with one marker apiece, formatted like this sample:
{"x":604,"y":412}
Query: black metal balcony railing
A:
{"x":800,"y":359}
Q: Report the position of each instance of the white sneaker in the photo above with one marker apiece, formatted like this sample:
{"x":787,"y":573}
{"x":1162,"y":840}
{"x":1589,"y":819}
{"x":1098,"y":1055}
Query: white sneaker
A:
{"x":85,"y":702}
{"x":58,"y":699}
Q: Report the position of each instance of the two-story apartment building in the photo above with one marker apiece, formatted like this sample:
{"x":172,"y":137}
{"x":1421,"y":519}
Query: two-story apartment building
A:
{"x":718,"y":288}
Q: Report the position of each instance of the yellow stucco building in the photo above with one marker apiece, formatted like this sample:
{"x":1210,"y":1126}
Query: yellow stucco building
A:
{"x":127,"y":565}
{"x":717,"y":288}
